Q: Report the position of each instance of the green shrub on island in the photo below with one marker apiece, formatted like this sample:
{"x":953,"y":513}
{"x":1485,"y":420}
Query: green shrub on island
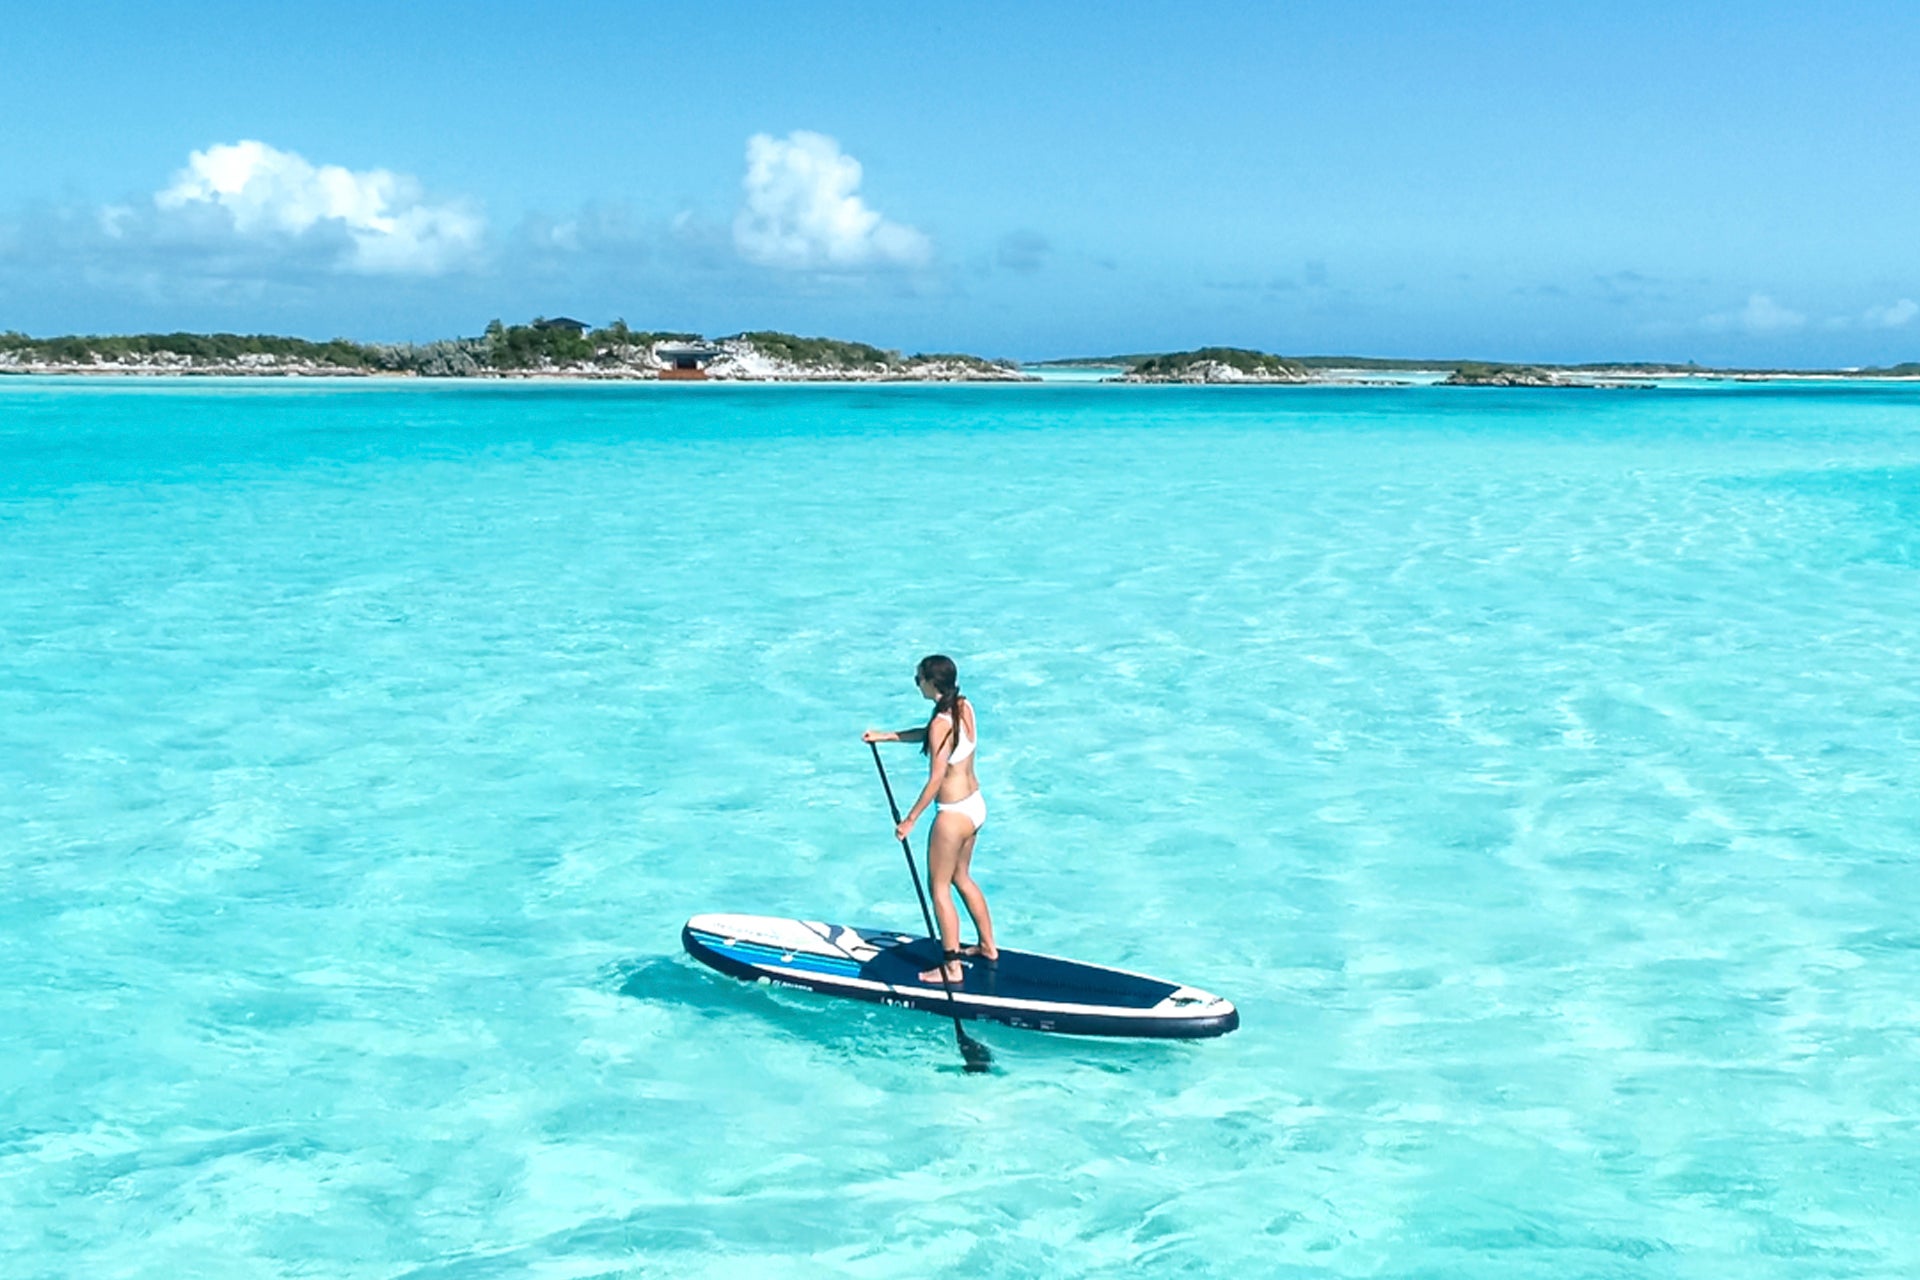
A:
{"x":617,"y":340}
{"x":960,"y":358}
{"x":828,"y":352}
{"x":196,"y":348}
{"x":535,"y":346}
{"x":448,"y":358}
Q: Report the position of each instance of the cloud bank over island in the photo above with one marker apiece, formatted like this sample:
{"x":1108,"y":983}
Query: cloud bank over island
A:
{"x":803,"y":212}
{"x":1761,"y":315}
{"x":380,"y":220}
{"x":1895,"y":315}
{"x":249,"y":207}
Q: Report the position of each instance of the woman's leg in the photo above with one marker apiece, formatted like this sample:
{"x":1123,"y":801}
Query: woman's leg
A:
{"x":950,"y":832}
{"x":976,"y":900}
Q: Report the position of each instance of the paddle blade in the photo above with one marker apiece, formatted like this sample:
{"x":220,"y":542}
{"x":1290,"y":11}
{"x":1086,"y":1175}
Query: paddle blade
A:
{"x":976,"y":1055}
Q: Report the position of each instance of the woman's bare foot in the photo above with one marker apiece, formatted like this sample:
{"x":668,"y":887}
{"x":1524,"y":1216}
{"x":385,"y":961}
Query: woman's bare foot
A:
{"x":955,"y":974}
{"x":974,"y":950}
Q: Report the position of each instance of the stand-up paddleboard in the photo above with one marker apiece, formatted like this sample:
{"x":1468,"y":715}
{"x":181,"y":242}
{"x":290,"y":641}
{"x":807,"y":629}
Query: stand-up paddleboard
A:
{"x":882,"y":966}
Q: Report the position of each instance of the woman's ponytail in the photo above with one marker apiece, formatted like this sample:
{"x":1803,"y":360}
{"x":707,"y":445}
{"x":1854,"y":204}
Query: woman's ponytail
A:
{"x":938,"y":670}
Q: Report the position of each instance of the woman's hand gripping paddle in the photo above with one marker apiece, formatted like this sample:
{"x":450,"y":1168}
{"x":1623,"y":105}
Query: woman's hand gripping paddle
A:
{"x":976,"y":1055}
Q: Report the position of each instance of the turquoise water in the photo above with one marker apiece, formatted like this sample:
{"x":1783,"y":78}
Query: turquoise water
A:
{"x":1535,"y":770}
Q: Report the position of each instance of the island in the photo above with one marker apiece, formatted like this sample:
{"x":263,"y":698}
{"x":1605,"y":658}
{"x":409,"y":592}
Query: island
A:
{"x":1215,"y":365}
{"x":1245,"y":366}
{"x":549,"y":348}
{"x":1501,"y":375}
{"x":561,"y":347}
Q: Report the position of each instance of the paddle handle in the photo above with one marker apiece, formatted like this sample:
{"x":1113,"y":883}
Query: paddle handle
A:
{"x":913,"y":868}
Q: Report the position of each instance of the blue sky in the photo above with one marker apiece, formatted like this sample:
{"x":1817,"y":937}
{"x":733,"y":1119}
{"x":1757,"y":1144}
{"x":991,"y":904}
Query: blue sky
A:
{"x":1733,"y":183}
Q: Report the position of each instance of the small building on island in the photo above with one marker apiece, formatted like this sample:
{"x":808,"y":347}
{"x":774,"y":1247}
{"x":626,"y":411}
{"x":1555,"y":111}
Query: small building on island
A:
{"x":578,"y":328}
{"x":685,"y":361}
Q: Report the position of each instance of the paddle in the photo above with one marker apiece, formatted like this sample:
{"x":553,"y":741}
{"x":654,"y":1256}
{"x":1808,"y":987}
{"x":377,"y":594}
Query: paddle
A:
{"x":976,"y":1055}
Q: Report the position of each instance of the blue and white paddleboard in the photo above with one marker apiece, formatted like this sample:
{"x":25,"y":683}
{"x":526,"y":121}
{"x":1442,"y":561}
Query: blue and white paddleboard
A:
{"x":882,"y":966}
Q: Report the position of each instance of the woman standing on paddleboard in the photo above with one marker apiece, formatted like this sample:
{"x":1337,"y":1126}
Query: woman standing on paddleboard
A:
{"x":948,"y":740}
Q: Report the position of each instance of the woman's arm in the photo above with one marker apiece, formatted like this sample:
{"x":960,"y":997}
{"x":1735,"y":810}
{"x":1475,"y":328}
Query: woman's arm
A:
{"x":895,"y":735}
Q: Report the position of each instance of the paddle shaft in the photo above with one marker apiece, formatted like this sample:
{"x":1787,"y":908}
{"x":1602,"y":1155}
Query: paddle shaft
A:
{"x":970,"y":1049}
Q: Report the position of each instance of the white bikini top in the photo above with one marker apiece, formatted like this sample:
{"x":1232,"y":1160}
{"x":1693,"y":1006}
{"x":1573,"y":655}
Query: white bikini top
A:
{"x":963,"y":750}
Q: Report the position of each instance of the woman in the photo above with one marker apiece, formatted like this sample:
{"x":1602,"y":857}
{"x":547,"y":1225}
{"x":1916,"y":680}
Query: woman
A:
{"x":947,"y":740}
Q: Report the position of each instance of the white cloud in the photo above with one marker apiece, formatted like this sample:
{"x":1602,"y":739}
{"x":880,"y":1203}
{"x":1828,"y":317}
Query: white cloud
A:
{"x":1892,"y":316}
{"x":266,"y":194}
{"x":1761,"y":315}
{"x":802,"y":213}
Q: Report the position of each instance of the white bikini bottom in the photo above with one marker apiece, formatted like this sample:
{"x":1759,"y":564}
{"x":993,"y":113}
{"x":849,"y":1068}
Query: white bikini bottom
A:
{"x":974,"y":807}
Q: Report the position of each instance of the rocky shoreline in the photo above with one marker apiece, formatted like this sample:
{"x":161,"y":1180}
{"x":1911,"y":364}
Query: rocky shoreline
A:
{"x":1213,"y":373}
{"x":742,"y":360}
{"x":539,"y":351}
{"x":730,"y":368}
{"x":292,"y":369}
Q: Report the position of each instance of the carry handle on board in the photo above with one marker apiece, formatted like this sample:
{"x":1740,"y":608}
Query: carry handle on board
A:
{"x":976,"y":1055}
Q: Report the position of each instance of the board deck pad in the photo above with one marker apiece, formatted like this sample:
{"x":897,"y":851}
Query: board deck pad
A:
{"x":882,"y":966}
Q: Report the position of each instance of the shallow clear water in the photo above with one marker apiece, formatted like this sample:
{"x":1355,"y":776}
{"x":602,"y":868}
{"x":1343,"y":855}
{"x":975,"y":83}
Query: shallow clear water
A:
{"x":1535,"y":769}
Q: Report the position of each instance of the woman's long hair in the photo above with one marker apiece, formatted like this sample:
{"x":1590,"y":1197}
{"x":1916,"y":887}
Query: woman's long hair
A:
{"x":937,"y":669}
